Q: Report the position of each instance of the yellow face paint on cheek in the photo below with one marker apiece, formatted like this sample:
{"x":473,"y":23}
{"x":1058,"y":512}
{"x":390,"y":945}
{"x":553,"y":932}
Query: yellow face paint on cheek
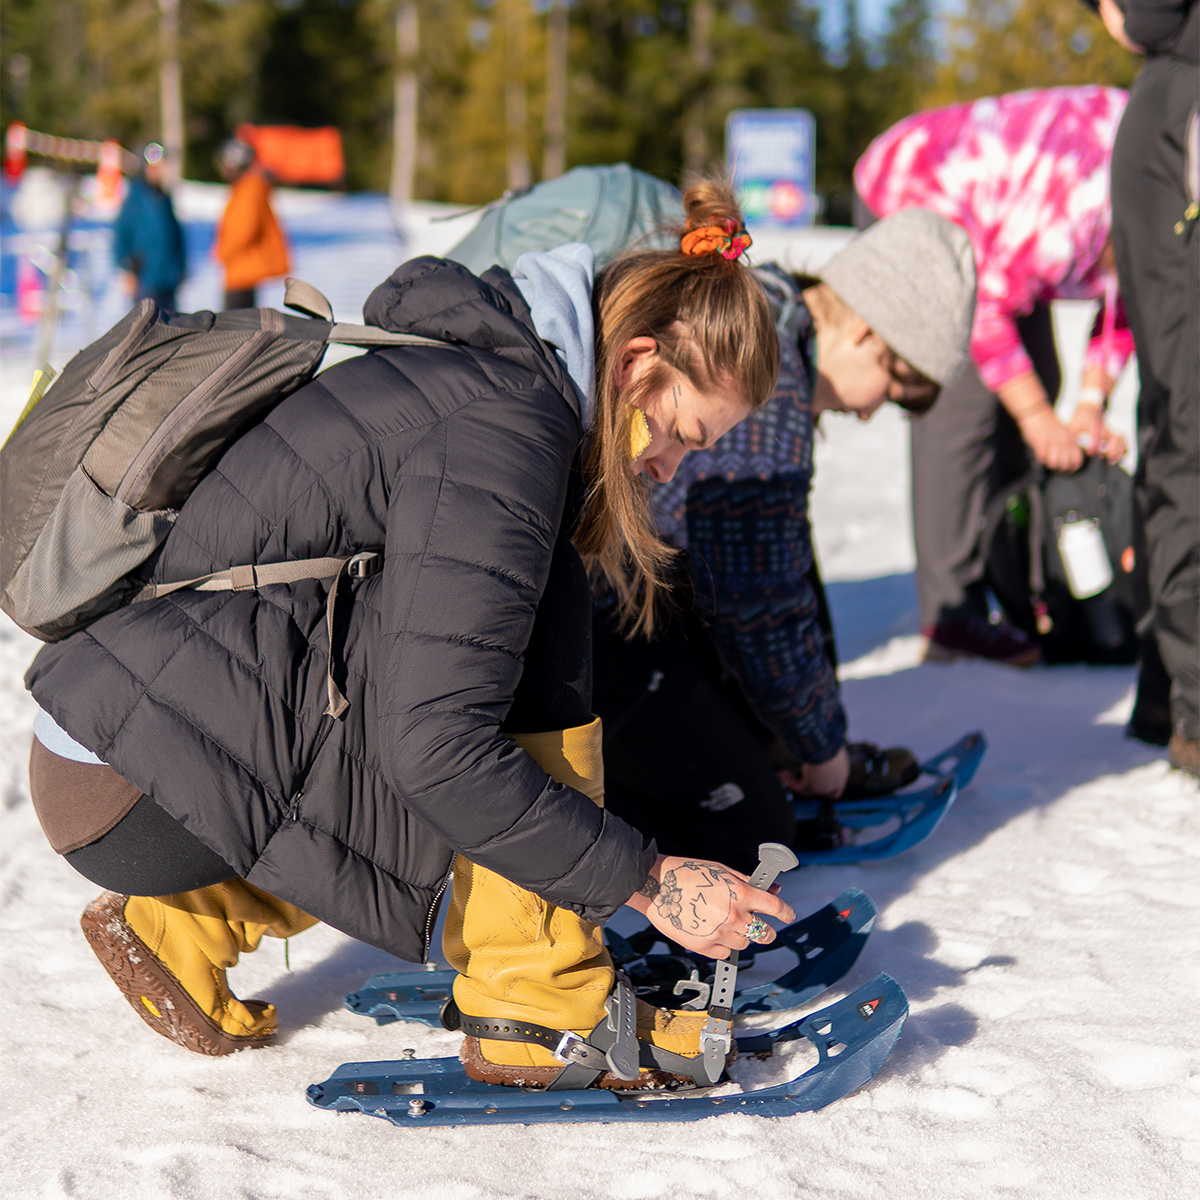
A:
{"x":639,"y":432}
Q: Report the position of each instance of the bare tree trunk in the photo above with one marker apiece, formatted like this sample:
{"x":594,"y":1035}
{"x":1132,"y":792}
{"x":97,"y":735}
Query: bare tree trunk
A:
{"x":700,"y":52}
{"x":516,"y":115}
{"x":554,"y":153}
{"x":404,"y":118}
{"x":171,"y":92}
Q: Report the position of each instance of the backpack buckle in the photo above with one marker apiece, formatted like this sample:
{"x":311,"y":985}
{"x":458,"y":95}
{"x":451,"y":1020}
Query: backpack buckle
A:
{"x":364,"y":565}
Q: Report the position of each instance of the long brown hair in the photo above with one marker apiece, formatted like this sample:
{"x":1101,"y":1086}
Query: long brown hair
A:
{"x":712,"y":324}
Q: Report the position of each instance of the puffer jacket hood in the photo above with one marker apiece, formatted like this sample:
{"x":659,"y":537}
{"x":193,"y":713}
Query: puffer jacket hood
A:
{"x":455,"y":461}
{"x":488,"y":314}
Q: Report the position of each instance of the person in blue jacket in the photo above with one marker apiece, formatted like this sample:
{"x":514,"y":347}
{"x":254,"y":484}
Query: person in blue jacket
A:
{"x":148,"y":244}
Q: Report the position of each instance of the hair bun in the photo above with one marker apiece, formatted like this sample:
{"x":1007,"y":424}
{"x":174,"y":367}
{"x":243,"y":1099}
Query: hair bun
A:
{"x":729,"y":239}
{"x":714,"y":220}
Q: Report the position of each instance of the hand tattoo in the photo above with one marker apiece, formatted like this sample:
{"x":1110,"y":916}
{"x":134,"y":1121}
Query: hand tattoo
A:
{"x":695,"y":897}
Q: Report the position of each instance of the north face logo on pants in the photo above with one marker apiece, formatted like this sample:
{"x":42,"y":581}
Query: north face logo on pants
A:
{"x":726,"y":796}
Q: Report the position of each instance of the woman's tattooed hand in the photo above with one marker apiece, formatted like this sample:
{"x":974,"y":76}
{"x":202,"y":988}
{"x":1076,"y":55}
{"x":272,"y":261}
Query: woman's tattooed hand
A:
{"x":695,"y":897}
{"x":704,"y":906}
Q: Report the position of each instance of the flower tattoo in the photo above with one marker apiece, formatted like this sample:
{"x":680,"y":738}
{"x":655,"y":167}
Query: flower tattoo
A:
{"x":695,"y":897}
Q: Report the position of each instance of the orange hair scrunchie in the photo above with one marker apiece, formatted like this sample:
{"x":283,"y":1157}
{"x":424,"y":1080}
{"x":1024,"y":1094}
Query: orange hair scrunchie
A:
{"x":723,"y":239}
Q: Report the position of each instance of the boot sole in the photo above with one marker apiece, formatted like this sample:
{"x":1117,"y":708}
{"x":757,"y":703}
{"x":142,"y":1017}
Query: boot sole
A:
{"x":152,"y":991}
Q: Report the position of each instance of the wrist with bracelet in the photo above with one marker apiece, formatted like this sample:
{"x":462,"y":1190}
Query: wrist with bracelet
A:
{"x":1094,"y":396}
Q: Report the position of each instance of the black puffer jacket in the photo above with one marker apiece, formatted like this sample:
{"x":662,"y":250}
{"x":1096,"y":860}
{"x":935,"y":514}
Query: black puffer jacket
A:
{"x":455,"y":461}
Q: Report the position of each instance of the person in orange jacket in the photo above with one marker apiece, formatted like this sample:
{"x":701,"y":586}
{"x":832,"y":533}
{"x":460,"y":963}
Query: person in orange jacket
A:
{"x":250,"y":242}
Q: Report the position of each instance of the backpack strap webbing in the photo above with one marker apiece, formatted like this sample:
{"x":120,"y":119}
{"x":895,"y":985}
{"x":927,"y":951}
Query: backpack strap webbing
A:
{"x":251,"y":577}
{"x":304,"y":298}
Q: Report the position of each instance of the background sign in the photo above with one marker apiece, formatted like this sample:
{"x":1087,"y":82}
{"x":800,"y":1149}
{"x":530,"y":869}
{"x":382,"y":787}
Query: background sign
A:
{"x":772,"y":156}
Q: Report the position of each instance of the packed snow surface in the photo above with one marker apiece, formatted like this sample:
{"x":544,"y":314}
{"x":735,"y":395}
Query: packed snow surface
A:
{"x":1045,"y":935}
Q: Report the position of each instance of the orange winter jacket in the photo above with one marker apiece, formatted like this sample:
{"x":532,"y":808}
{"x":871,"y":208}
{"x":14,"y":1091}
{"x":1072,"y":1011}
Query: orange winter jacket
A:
{"x":250,"y":242}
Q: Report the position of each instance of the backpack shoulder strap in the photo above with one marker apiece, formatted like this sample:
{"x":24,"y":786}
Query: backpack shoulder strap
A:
{"x":304,"y":298}
{"x":345,"y":334}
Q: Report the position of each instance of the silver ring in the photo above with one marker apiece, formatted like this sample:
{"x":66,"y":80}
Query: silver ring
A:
{"x":756,"y":928}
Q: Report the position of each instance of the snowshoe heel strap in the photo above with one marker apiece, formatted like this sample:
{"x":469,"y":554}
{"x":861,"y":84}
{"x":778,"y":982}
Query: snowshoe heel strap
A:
{"x":585,"y":1062}
{"x":611,"y":1046}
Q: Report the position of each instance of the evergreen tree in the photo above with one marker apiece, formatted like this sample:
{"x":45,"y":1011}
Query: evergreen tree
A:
{"x":907,"y":59}
{"x":1005,"y":45}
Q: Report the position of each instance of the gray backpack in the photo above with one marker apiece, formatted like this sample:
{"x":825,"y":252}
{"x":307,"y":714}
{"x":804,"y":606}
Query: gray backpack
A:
{"x":610,"y":208}
{"x":93,"y":475}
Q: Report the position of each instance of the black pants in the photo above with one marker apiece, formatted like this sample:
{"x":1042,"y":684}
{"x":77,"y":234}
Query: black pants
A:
{"x":964,"y":450}
{"x":149,"y":853}
{"x":1159,"y":270}
{"x":112,"y":834}
{"x":684,"y":759}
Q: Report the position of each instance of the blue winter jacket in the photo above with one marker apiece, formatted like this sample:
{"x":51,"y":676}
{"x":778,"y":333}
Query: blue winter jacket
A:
{"x":148,"y":239}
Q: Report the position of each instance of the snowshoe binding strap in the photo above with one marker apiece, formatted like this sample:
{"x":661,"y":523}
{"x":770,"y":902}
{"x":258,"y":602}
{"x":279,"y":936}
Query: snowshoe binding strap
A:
{"x":716,"y":1038}
{"x":611,"y":1046}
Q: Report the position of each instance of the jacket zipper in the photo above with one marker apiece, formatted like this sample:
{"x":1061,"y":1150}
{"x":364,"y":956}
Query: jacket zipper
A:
{"x":431,"y":918}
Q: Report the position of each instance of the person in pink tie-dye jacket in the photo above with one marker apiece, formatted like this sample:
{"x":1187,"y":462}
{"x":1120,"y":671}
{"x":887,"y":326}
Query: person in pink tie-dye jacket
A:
{"x":1027,"y":176}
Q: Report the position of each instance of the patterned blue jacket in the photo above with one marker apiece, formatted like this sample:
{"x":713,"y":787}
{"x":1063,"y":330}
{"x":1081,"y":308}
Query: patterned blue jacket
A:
{"x":740,"y":511}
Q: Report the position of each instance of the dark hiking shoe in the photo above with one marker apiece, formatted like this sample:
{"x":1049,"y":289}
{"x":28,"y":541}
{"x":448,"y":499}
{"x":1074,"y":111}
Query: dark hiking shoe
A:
{"x":876,"y":772}
{"x":974,"y":637}
{"x":1184,"y":755}
{"x":152,"y":989}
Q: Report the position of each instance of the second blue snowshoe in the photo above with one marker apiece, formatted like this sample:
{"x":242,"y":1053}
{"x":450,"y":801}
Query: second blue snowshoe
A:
{"x":826,"y":944}
{"x":831,"y":831}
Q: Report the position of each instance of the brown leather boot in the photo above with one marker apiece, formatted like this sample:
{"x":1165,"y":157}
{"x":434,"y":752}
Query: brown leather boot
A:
{"x":169,"y":955}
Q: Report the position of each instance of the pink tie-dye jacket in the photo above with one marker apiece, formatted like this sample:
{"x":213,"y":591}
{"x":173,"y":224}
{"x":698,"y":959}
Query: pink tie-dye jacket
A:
{"x":1026,"y":175}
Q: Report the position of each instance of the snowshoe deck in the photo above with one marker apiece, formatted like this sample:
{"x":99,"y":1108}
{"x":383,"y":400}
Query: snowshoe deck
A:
{"x":852,"y":1037}
{"x":826,"y":944}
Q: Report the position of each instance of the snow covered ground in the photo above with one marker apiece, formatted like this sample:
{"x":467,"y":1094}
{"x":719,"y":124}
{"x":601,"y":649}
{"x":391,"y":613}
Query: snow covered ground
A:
{"x":1046,"y":935}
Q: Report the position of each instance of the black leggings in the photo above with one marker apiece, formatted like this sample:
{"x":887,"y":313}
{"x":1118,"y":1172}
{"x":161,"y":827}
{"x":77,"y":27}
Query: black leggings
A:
{"x":149,"y":853}
{"x":685,"y":762}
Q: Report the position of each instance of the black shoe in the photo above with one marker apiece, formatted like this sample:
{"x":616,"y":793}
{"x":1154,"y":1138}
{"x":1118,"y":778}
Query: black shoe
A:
{"x":976,"y":637}
{"x":875,"y":772}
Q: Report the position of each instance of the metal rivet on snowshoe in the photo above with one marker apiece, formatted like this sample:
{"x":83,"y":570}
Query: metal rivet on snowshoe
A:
{"x":408,"y":1053}
{"x":416,"y":1107}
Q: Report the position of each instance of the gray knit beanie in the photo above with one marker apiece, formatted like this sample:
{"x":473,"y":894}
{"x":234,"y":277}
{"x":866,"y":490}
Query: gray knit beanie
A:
{"x":911,"y":277}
